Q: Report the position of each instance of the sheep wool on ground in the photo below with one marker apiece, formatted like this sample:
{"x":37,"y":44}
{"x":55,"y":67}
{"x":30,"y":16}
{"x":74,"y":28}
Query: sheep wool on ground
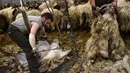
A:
{"x":122,"y":66}
{"x":105,"y":40}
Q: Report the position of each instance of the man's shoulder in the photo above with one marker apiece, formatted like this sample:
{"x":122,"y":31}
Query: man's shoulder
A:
{"x":19,"y":19}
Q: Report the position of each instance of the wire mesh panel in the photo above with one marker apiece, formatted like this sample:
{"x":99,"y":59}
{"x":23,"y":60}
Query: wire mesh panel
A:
{"x":3,"y":2}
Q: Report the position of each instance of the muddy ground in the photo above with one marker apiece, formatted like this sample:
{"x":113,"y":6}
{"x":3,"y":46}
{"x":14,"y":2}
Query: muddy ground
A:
{"x":9,"y":64}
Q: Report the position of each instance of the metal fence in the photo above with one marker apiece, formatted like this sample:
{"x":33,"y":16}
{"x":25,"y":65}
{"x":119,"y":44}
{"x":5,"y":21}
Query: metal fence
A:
{"x":3,"y":2}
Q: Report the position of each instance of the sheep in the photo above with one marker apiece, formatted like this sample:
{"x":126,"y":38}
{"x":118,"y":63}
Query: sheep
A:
{"x":51,"y":51}
{"x":53,"y":2}
{"x":43,"y":5}
{"x":4,"y":23}
{"x":32,"y":5}
{"x":7,"y":16}
{"x":105,"y":40}
{"x":70,"y":2}
{"x":77,"y":11}
{"x":123,"y":15}
{"x":10,"y":13}
{"x":33,"y":12}
{"x":46,"y":51}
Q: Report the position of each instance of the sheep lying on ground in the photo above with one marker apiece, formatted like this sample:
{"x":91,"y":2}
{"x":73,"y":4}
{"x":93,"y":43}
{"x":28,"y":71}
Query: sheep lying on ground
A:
{"x":105,"y":40}
{"x":46,"y":51}
{"x":50,"y":50}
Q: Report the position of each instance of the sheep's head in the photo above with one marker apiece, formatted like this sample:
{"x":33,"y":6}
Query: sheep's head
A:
{"x":15,"y":12}
{"x":109,"y":8}
{"x":108,"y":11}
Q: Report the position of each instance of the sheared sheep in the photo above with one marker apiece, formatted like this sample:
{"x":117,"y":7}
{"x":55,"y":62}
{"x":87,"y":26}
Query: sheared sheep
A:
{"x":46,"y":51}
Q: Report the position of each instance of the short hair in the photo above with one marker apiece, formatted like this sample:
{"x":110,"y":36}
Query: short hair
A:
{"x":47,"y":15}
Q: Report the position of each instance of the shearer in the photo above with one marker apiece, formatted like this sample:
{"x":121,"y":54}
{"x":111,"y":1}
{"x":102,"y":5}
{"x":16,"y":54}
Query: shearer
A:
{"x":27,"y":41}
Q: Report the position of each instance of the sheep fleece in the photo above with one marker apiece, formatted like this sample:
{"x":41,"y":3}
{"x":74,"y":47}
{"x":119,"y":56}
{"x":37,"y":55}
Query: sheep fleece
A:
{"x":105,"y":40}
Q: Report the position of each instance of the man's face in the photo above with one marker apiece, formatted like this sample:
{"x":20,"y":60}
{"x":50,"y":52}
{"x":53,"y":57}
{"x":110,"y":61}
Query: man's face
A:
{"x":47,"y":22}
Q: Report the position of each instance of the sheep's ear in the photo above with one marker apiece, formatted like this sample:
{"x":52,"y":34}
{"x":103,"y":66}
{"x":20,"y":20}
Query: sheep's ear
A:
{"x":14,"y":11}
{"x":57,"y":7}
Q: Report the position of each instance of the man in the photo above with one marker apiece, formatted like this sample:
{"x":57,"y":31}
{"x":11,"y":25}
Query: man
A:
{"x":115,"y":3}
{"x":27,"y":41}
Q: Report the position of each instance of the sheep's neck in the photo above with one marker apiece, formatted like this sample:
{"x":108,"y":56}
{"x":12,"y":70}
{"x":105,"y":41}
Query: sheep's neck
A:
{"x":121,"y":0}
{"x":108,"y":17}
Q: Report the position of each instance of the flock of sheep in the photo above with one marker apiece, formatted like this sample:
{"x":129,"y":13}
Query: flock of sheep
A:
{"x":105,"y":22}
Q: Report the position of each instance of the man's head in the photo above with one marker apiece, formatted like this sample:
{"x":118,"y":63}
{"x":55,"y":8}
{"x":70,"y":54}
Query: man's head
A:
{"x":47,"y":18}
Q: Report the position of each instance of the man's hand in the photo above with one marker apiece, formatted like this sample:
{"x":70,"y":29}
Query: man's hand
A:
{"x":34,"y":50}
{"x":35,"y":53}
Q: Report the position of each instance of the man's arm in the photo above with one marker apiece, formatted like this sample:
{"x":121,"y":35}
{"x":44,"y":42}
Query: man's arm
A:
{"x":32,"y":34}
{"x":92,"y":2}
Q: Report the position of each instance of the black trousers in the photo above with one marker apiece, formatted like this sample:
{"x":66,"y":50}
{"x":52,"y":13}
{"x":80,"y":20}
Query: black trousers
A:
{"x":23,"y":42}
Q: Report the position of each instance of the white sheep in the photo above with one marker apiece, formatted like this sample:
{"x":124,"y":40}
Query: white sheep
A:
{"x":53,"y":3}
{"x":123,"y":14}
{"x":76,"y":12}
{"x":9,"y":13}
{"x":33,"y":12}
{"x":44,"y":6}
